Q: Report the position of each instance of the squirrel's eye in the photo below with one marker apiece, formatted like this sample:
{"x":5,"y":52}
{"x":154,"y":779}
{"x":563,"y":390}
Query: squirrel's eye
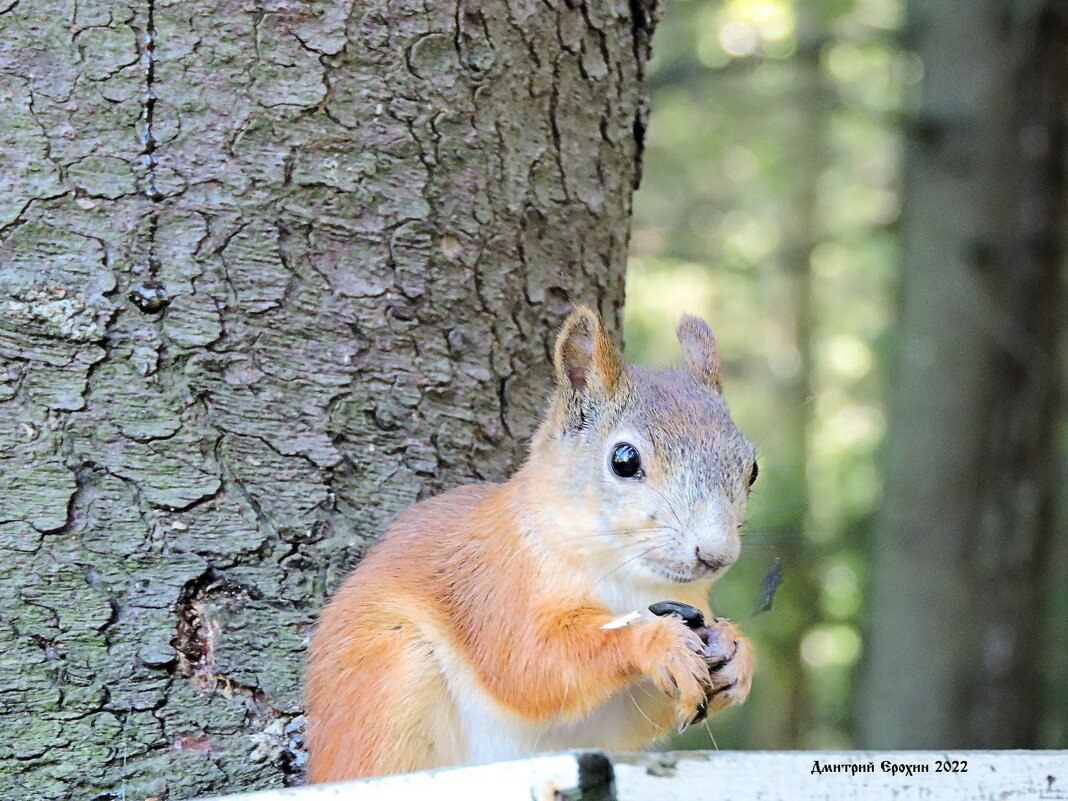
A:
{"x":753,"y":473}
{"x":626,"y":463}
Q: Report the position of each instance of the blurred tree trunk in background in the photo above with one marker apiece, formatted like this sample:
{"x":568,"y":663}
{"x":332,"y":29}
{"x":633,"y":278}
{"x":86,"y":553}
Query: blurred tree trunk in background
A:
{"x":956,"y":643}
{"x":269,"y":273}
{"x":802,"y":227}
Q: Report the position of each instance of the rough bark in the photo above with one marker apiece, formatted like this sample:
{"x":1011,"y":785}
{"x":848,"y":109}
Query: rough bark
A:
{"x":269,"y":272}
{"x":956,"y":640}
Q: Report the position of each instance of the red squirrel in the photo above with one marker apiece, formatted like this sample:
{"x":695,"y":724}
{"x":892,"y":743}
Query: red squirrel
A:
{"x":491,"y":622}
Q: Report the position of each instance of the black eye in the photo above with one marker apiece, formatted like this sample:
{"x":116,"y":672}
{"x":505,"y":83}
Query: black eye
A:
{"x":753,"y":474}
{"x":626,"y":463}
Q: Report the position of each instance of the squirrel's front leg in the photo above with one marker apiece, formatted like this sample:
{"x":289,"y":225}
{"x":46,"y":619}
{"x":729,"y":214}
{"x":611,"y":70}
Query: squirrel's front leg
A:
{"x":576,"y":665}
{"x":675,"y":661}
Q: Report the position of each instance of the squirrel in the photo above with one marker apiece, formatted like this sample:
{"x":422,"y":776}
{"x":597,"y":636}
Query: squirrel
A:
{"x":486,"y":624}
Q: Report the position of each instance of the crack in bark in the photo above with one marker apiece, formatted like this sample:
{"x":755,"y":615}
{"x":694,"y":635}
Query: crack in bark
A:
{"x":148,"y":139}
{"x":276,"y":735}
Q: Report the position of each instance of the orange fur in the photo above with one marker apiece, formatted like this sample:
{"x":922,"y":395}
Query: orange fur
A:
{"x":490,"y":597}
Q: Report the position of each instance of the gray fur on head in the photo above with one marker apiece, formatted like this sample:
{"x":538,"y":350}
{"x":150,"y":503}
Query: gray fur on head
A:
{"x":687,"y":499}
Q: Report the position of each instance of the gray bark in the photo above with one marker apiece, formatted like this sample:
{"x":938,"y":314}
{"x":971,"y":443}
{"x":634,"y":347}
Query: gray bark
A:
{"x":269,"y":272}
{"x":957,"y":641}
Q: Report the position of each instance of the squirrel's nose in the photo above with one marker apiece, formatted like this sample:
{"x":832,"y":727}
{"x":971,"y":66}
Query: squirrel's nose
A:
{"x":711,"y":562}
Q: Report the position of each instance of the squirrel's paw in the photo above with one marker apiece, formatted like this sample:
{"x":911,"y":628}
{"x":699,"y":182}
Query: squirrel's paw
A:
{"x":677,"y":666}
{"x":730,"y":666}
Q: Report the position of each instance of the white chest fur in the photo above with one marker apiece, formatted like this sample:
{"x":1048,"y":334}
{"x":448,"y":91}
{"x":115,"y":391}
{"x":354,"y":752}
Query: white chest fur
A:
{"x":492,"y":733}
{"x":627,"y":595}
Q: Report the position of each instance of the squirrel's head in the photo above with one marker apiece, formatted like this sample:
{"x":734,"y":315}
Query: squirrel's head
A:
{"x":643,"y":470}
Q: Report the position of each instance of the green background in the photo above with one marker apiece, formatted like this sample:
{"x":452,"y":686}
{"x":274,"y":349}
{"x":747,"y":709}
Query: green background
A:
{"x":768,"y":206}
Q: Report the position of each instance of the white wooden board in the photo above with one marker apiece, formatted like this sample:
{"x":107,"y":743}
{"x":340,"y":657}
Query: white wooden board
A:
{"x":843,"y":776}
{"x":725,"y":776}
{"x":536,"y":779}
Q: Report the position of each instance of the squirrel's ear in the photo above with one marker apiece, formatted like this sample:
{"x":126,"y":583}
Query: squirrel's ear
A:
{"x":700,"y":351}
{"x":586,"y":361}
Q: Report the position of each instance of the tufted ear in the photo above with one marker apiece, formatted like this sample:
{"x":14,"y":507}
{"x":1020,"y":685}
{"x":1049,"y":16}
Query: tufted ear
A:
{"x":588,"y":366}
{"x":700,"y":351}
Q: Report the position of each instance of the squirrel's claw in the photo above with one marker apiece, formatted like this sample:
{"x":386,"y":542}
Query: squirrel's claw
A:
{"x":702,"y":713}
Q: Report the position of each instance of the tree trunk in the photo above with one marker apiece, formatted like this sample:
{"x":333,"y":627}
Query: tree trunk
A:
{"x":803,"y":228}
{"x":269,"y":272}
{"x":956,"y":640}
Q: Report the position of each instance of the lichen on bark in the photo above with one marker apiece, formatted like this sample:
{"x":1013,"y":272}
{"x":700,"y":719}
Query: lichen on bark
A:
{"x":269,"y":272}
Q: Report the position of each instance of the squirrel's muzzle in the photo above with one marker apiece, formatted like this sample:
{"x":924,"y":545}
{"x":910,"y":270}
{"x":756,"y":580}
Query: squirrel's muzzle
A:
{"x":712,"y":562}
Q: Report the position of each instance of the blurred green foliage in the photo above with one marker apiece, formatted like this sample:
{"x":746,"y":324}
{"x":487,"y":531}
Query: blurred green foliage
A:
{"x":769,"y":194}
